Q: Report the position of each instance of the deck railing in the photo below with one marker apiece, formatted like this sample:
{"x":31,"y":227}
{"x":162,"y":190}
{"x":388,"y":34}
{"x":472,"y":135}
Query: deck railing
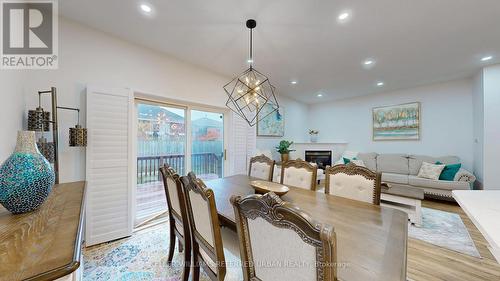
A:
{"x":201,"y":164}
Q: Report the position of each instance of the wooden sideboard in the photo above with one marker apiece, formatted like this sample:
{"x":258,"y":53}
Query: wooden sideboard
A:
{"x":44,"y":244}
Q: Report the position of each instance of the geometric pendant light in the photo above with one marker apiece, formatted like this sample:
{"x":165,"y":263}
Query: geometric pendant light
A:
{"x":251,"y":91}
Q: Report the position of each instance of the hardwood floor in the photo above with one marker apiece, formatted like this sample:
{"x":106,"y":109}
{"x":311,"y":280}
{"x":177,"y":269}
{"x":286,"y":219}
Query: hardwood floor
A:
{"x":427,"y":262}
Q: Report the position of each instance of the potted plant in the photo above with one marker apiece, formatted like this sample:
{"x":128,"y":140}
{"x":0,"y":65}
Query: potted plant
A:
{"x":284,"y":149}
{"x":314,"y":135}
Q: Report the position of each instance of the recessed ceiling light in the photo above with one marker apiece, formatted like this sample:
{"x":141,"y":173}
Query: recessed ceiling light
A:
{"x":380,"y":84}
{"x":146,"y":8}
{"x":368,"y":62}
{"x":487,"y":58}
{"x":293,"y":82}
{"x":319,"y":95}
{"x":344,"y":17}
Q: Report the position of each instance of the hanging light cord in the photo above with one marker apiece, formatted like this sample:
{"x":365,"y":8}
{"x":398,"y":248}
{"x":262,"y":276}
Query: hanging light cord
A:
{"x":251,"y":24}
{"x":251,"y":47}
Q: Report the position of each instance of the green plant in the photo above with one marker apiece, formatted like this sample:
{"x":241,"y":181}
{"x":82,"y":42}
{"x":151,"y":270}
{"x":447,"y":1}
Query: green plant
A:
{"x":284,"y":147}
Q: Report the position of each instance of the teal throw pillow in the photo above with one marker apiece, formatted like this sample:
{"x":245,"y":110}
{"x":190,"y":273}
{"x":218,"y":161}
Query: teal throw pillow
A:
{"x":347,"y":160}
{"x":449,"y":171}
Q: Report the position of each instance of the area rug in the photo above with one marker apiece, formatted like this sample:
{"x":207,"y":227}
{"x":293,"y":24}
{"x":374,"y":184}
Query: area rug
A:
{"x":143,"y":256}
{"x":445,"y":230}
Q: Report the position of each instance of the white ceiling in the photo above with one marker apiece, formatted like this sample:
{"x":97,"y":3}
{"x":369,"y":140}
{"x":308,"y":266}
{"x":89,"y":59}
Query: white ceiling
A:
{"x":413,"y":42}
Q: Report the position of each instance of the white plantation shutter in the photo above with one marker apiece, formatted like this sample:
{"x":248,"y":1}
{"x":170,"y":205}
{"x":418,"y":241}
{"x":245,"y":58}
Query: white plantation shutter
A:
{"x":251,"y":142}
{"x":243,"y":142}
{"x":109,"y":165}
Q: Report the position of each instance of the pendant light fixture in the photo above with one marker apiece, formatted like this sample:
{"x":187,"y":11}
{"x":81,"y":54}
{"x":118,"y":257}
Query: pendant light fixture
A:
{"x":251,"y":91}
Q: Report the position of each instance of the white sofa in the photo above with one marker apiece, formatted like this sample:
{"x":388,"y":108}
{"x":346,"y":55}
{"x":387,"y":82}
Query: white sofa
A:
{"x":402,"y":169}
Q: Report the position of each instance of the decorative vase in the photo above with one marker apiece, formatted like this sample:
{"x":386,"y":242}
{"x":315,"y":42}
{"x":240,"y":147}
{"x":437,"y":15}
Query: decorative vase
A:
{"x":314,"y":137}
{"x":26,"y":177}
{"x":285,"y":157}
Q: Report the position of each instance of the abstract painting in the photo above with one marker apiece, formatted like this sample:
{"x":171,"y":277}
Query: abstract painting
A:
{"x":397,"y":122}
{"x":272,"y":124}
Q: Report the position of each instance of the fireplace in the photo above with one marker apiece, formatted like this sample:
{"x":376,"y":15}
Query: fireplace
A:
{"x":321,"y":157}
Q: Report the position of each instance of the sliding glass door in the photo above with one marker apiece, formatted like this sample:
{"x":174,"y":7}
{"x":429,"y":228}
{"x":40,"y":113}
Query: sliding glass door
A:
{"x":207,"y":144}
{"x":161,"y":139}
{"x":186,"y":139}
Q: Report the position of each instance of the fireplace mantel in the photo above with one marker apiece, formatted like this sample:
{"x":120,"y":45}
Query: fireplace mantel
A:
{"x":337,"y":148}
{"x":320,"y":143}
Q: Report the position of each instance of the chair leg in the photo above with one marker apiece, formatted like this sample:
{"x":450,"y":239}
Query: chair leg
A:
{"x":181,"y":247}
{"x":196,"y":263}
{"x":172,"y":244}
{"x":187,"y":260}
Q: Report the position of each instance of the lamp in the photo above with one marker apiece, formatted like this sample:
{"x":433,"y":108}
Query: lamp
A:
{"x":250,"y":91}
{"x":77,"y":134}
{"x":39,"y":121}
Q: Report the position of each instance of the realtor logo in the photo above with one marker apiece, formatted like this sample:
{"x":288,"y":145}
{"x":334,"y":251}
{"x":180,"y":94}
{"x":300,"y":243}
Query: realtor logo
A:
{"x":29,"y":34}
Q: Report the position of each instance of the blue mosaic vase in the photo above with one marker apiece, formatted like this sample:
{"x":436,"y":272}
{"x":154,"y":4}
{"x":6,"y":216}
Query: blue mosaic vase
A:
{"x":26,"y":177}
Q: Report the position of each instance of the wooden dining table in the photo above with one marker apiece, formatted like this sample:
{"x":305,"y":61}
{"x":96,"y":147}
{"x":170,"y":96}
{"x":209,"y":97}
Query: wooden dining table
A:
{"x":371,"y":240}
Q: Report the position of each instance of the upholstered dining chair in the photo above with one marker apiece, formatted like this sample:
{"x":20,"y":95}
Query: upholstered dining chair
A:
{"x":353,"y":182}
{"x":277,"y":172}
{"x":273,"y":234}
{"x":261,"y":167}
{"x":215,"y":249}
{"x":299,"y":173}
{"x":178,"y":217}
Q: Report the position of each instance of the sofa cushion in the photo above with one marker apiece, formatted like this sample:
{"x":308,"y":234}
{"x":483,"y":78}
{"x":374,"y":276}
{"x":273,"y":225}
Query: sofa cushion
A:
{"x":449,"y":172}
{"x":393,"y":163}
{"x":415,"y":161}
{"x":370,"y":160}
{"x":430,"y":171}
{"x":395,"y":178}
{"x":438,"y":184}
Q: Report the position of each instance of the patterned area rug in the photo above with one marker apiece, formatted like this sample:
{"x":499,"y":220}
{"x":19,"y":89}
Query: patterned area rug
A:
{"x":445,"y":230}
{"x":140,"y":257}
{"x":144,"y":255}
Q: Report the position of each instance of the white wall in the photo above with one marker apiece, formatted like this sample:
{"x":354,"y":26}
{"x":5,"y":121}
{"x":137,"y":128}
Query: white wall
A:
{"x":88,"y":56}
{"x":11,"y":109}
{"x":491,"y":84}
{"x":478,"y":119}
{"x":296,"y":125}
{"x":446,"y":121}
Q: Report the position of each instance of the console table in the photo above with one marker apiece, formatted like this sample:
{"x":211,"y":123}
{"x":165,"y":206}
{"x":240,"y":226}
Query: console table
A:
{"x":483,"y":208}
{"x":44,"y":244}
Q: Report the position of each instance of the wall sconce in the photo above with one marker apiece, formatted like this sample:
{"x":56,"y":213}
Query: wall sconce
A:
{"x":39,"y":121}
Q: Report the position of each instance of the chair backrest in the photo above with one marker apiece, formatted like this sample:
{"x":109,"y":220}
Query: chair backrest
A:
{"x":299,"y":173}
{"x":261,"y":167}
{"x":277,"y":172}
{"x":176,"y":200}
{"x":280,"y":242}
{"x":205,"y":226}
{"x":353,"y":182}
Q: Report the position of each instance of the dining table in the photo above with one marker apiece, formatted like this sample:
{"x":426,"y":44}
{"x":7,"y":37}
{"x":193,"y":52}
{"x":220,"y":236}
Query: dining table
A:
{"x":371,"y":240}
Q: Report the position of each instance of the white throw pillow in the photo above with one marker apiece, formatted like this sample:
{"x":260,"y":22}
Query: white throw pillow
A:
{"x":359,"y":162}
{"x":430,"y":171}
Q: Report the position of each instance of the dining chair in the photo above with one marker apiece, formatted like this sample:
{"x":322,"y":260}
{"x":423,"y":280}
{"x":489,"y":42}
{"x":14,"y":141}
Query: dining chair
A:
{"x":215,"y":249}
{"x":277,"y":172}
{"x":178,"y":217}
{"x":261,"y":167}
{"x":353,"y":182}
{"x":278,"y":241}
{"x":299,"y":173}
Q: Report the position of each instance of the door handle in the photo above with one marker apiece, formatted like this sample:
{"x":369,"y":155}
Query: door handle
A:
{"x":225,"y":154}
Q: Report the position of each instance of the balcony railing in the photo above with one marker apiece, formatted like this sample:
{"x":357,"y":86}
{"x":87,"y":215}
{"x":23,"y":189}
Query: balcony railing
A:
{"x":202,"y":164}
